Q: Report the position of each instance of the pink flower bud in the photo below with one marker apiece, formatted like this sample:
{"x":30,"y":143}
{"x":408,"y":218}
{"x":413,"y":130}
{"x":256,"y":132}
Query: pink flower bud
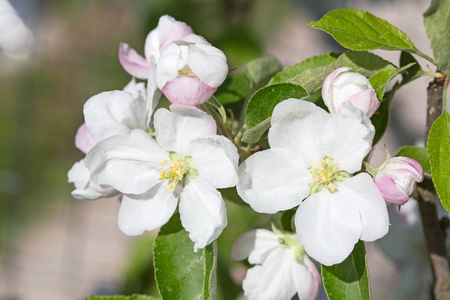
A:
{"x":190,"y":70}
{"x":397,"y":177}
{"x":83,"y":139}
{"x":341,"y":86}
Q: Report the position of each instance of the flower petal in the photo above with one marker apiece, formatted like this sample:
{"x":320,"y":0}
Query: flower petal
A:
{"x":273,"y":279}
{"x":176,"y":129}
{"x":113,"y":113}
{"x":298,"y":125}
{"x":307,"y":283}
{"x":203,"y":213}
{"x":273,"y":180}
{"x":328,"y":225}
{"x":208,"y":63}
{"x":255,"y":244}
{"x":347,"y":137}
{"x":389,"y":189}
{"x":83,"y":139}
{"x":361,"y":190}
{"x":327,"y":89}
{"x":172,"y":59}
{"x":129,"y":164}
{"x":133,"y":63}
{"x":86,"y":189}
{"x":187,"y":90}
{"x":148,"y":211}
{"x":216,"y":159}
{"x":366,"y":101}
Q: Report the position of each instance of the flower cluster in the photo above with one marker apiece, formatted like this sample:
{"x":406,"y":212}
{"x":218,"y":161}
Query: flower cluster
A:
{"x":160,"y":160}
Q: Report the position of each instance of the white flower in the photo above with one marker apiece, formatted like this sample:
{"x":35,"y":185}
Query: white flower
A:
{"x":309,"y":164}
{"x":107,"y":114}
{"x":342,"y":86}
{"x":187,"y":161}
{"x":16,"y":40}
{"x":282,"y":267}
{"x":190,"y":70}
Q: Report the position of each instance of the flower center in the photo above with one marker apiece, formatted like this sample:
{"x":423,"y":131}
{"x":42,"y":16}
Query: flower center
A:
{"x":186,"y":71}
{"x":324,"y":174}
{"x":179,"y":168}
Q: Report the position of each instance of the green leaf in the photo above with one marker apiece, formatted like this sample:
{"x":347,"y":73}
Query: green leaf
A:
{"x":117,"y":297}
{"x":213,"y":103}
{"x":261,"y":105}
{"x":438,"y":145}
{"x":287,"y":220}
{"x":260,"y":70}
{"x":380,"y":80}
{"x":360,"y":30}
{"x":349,"y":279}
{"x":365,"y":63}
{"x":309,"y":63}
{"x":414,"y":72}
{"x":180,"y":272}
{"x":234,"y":89}
{"x":437,"y":23}
{"x":380,"y":119}
{"x":419,"y":154}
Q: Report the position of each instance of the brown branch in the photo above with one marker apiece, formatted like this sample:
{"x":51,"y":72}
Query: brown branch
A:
{"x":434,"y":230}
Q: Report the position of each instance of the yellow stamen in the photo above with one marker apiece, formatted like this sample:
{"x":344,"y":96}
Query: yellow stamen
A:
{"x":321,"y":160}
{"x":309,"y":183}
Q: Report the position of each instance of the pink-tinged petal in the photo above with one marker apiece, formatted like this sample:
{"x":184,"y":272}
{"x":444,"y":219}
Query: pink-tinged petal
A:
{"x":328,"y":226}
{"x":216,"y":159}
{"x":273,"y":180}
{"x":389,"y":189}
{"x":192,"y":39}
{"x":326,"y":88}
{"x":187,"y":90}
{"x":273,"y":279}
{"x":416,"y":172}
{"x":133,"y":63}
{"x":362,"y":191}
{"x":148,"y":211}
{"x":208,"y":63}
{"x":366,"y":101}
{"x":202,"y":212}
{"x":176,"y":129}
{"x":83,"y":139}
{"x":255,"y":244}
{"x":297,"y":125}
{"x":114,"y":113}
{"x":85,"y":188}
{"x":347,"y":137}
{"x":130,"y":164}
{"x":308,"y":290}
{"x":171,"y":30}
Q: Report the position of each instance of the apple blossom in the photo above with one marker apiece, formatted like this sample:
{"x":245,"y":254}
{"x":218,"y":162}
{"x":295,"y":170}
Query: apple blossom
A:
{"x":16,"y":39}
{"x":187,"y":161}
{"x":396,"y":178}
{"x":282,"y":267}
{"x":341,"y":86}
{"x":168,"y":30}
{"x":310,"y":163}
{"x":190,"y":70}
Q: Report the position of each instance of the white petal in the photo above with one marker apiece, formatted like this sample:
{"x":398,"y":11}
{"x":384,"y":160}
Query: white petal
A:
{"x":298,"y":125}
{"x":86,"y":189}
{"x":148,"y":211}
{"x":129,"y":164}
{"x":115,"y":112}
{"x":208,"y":63}
{"x":169,"y":63}
{"x":273,"y":279}
{"x":306,"y":279}
{"x":347,"y":137}
{"x":153,"y":93}
{"x":255,"y":244}
{"x":216,"y":159}
{"x":176,"y":129}
{"x":273,"y":180}
{"x":136,"y":88}
{"x":203,"y":213}
{"x":362,"y":191}
{"x":328,"y":225}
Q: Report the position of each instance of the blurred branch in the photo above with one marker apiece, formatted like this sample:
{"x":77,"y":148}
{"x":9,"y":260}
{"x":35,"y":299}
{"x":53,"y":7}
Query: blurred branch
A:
{"x":434,"y":229}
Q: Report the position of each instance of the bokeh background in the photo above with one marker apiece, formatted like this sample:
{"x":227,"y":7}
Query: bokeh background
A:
{"x":53,"y":246}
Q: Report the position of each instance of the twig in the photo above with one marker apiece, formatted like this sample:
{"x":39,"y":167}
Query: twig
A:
{"x":434,"y":231}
